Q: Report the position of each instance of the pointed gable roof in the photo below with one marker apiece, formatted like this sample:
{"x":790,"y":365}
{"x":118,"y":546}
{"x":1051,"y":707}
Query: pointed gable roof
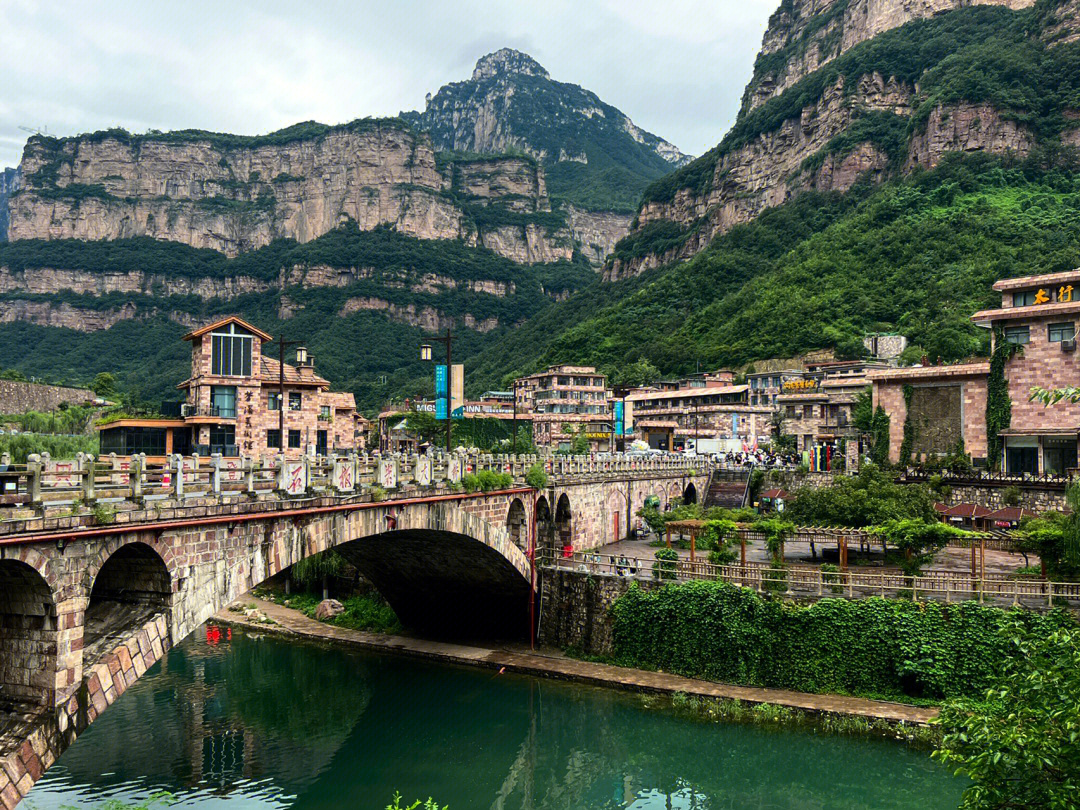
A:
{"x":197,"y":333}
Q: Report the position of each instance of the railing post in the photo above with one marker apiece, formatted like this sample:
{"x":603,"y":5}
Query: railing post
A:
{"x":215,"y":474}
{"x":33,"y":478}
{"x":89,"y":493}
{"x":250,"y":466}
{"x":135,"y":476}
{"x":178,"y":475}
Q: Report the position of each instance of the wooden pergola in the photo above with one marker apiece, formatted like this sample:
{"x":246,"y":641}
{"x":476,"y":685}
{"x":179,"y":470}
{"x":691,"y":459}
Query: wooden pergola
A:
{"x":694,"y":528}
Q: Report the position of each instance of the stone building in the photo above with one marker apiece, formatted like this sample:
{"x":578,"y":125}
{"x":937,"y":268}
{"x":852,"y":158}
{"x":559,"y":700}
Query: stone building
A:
{"x":947,"y":403}
{"x":766,"y":386}
{"x":234,"y":404}
{"x":817,"y":408}
{"x":564,"y":401}
{"x":707,"y":412}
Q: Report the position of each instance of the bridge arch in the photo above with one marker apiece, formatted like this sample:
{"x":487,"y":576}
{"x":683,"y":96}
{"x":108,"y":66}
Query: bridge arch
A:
{"x":517,"y":524}
{"x":545,"y":525}
{"x":129,"y":587}
{"x":689,"y":494}
{"x":28,"y":634}
{"x":564,"y":521}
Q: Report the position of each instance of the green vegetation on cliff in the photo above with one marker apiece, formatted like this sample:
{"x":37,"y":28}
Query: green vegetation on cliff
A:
{"x":916,"y":255}
{"x":980,"y":54}
{"x":364,"y":334}
{"x":592,"y":157}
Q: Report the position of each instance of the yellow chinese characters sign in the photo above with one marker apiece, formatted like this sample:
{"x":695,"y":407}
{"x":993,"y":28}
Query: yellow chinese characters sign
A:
{"x":799,"y":385}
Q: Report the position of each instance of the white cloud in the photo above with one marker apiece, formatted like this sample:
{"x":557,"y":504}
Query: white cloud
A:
{"x":677,"y":68}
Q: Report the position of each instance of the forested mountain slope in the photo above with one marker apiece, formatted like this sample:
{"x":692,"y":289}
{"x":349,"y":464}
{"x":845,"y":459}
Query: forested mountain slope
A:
{"x":849,"y":90}
{"x":916,"y":255}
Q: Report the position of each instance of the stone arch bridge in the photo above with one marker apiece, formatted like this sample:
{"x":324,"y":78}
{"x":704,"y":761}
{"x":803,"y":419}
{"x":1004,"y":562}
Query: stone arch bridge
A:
{"x":85,"y":610}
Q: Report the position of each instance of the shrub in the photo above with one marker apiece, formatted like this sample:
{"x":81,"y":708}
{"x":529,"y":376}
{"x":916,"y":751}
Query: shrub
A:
{"x":666,"y":564}
{"x":536,"y":477}
{"x":104,"y":514}
{"x":855,"y":646}
{"x":1010,"y":496}
{"x":470,"y":482}
{"x":774,"y":578}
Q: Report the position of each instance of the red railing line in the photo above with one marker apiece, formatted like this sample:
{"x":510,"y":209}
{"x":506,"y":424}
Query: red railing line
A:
{"x":128,"y":528}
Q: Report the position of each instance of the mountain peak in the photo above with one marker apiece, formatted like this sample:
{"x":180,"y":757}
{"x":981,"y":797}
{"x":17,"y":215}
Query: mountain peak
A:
{"x":507,"y":60}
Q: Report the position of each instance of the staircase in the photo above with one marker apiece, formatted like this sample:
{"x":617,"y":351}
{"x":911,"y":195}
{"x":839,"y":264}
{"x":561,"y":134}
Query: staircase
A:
{"x":728,"y":488}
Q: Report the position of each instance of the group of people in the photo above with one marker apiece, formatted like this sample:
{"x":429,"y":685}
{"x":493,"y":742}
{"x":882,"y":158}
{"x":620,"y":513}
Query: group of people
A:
{"x":758,"y":458}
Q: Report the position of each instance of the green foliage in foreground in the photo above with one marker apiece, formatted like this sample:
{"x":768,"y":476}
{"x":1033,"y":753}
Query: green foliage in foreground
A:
{"x":870,"y":498}
{"x":58,"y":447}
{"x":722,"y":632}
{"x":430,"y":804}
{"x":917,"y":256}
{"x":1020,"y":744}
{"x":366,"y":612}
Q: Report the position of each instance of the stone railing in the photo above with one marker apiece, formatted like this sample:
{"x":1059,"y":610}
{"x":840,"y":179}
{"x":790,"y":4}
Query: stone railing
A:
{"x":803,"y":581}
{"x":44,"y":482}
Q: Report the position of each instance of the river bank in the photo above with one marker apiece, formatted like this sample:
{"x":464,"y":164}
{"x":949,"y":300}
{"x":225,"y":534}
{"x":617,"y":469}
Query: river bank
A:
{"x":552,"y":664}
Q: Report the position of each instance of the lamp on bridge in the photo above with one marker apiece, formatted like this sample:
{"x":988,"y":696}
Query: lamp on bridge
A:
{"x":425,"y":352}
{"x":426,"y":356}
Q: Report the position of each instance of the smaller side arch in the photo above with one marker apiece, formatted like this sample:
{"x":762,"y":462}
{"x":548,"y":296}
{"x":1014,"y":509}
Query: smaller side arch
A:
{"x":689,"y":494}
{"x":28,"y":635}
{"x":517,"y":524}
{"x":564,"y":523}
{"x":132,"y":585}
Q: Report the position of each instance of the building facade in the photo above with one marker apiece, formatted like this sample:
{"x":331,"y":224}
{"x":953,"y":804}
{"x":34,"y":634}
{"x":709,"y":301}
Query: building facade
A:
{"x":706,"y":413}
{"x":817,"y":408}
{"x":234,"y":404}
{"x":565,"y":401}
{"x":947,"y":403}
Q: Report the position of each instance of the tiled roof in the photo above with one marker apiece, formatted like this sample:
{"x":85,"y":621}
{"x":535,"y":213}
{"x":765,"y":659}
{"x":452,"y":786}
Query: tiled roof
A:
{"x":1048,"y":280}
{"x":341,"y":400}
{"x":1011,"y":513}
{"x":269,"y":371}
{"x":968,"y":510}
{"x":687,"y":392}
{"x":929,"y":372}
{"x":1034,"y":311}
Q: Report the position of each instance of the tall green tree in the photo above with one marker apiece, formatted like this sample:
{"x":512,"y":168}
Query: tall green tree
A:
{"x":1020,"y":744}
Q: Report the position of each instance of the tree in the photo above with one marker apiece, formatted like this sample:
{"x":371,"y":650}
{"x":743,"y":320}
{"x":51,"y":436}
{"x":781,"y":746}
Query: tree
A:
{"x":776,"y":532}
{"x":1020,"y":745}
{"x":104,"y":385}
{"x":425,"y":426}
{"x":918,"y":539}
{"x":869,"y":498}
{"x":317,"y":569}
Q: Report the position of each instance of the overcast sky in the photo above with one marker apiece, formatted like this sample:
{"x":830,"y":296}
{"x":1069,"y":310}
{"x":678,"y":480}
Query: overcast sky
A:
{"x":676,"y":67}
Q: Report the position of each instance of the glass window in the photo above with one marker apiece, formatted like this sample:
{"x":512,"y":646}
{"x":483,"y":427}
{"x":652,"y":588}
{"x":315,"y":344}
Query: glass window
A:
{"x":294,"y":438}
{"x":223,"y":400}
{"x":230,"y":353}
{"x":273,"y":438}
{"x":1017,"y":334}
{"x":324,"y":411}
{"x":273,"y":401}
{"x":1024,"y":299}
{"x":223,"y":440}
{"x":1058,"y":332}
{"x":296,"y":400}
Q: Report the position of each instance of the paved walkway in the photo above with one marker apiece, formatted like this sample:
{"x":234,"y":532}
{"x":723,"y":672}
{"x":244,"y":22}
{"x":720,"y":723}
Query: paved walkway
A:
{"x":557,"y":666}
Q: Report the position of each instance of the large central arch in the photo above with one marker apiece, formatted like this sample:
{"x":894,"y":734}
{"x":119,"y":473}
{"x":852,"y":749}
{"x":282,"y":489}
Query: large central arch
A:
{"x":27,"y":637}
{"x":444,"y":583}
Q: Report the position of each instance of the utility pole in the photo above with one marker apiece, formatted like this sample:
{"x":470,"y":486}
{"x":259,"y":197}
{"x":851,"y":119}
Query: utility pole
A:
{"x":515,"y":417}
{"x":425,"y":354}
{"x":282,"y":345}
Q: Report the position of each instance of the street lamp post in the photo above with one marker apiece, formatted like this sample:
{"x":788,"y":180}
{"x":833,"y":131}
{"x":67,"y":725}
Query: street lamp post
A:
{"x":425,"y":355}
{"x":282,"y":346}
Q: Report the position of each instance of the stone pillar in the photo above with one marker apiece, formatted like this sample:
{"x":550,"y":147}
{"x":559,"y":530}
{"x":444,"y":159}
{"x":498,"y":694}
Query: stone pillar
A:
{"x":215,"y":474}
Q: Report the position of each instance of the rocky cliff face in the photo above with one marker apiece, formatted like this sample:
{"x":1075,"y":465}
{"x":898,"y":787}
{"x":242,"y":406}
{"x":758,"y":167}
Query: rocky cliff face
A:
{"x":236,"y":194}
{"x":9,"y":182}
{"x":857,"y":122}
{"x":804,"y":35}
{"x":511,"y":104}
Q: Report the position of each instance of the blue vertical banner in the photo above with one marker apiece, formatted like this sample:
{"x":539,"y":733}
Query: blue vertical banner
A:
{"x":441,"y":392}
{"x":619,"y":431}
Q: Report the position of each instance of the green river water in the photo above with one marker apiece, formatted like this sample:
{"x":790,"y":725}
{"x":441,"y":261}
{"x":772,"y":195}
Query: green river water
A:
{"x":260,"y":722}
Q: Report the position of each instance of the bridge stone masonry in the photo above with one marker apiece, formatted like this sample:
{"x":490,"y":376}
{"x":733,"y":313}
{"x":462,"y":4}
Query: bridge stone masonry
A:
{"x":104,"y":565}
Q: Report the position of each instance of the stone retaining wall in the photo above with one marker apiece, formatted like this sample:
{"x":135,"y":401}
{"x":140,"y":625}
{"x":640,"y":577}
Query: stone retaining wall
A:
{"x":1039,"y":500}
{"x":574,"y":609}
{"x":19,"y":397}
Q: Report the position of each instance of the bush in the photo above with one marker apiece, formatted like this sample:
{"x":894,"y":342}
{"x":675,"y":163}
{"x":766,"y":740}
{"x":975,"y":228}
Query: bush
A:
{"x":774,"y":579}
{"x":470,"y":482}
{"x":853,"y":646}
{"x":488,"y":480}
{"x":104,"y":514}
{"x":666,"y":564}
{"x":537,"y":477}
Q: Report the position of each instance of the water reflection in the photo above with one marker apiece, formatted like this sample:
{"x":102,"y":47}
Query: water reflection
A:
{"x":262,"y":722}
